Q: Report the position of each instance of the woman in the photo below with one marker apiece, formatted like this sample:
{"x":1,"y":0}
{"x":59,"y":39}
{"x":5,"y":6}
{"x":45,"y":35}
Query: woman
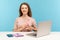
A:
{"x":25,"y":22}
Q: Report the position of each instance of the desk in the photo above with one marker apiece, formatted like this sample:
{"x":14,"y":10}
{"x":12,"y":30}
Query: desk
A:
{"x":51,"y":36}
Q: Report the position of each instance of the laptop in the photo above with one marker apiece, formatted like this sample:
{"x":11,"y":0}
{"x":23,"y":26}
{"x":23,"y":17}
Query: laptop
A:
{"x":43,"y":29}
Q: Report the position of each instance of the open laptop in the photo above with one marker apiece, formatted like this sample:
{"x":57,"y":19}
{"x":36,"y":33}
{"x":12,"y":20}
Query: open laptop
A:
{"x":43,"y":28}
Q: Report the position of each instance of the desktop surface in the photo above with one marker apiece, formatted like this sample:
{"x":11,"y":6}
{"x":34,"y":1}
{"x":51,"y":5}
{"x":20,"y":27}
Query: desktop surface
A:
{"x":51,"y":36}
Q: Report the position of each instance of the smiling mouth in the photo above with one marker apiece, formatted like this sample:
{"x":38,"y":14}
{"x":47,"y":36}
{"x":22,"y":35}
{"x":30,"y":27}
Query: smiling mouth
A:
{"x":24,"y":11}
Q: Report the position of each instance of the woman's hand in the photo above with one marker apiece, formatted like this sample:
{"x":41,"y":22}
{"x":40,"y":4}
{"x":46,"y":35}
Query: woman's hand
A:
{"x":23,"y":27}
{"x":28,"y":28}
{"x":35,"y":29}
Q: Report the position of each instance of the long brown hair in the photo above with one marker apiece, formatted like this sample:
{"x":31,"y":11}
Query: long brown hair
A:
{"x":29,"y":10}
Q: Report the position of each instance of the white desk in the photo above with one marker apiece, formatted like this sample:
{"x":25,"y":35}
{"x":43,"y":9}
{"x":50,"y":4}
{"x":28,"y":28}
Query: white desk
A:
{"x":52,"y":36}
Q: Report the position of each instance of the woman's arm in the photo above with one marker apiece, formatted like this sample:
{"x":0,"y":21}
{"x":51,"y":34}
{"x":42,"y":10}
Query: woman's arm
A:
{"x":34,"y":26}
{"x":15,"y":26}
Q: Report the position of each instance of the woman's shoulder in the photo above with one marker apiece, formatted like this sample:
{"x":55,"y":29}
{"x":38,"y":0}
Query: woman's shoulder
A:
{"x":32,"y":19}
{"x":18,"y":18}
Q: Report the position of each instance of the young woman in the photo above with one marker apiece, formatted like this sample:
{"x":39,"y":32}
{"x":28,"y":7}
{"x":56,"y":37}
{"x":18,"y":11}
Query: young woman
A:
{"x":25,"y":22}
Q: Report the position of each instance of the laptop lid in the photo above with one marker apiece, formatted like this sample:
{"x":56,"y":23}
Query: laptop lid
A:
{"x":44,"y":28}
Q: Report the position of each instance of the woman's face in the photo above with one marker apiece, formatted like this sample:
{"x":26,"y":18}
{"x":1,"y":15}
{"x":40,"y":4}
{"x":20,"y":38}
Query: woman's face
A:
{"x":24,"y":9}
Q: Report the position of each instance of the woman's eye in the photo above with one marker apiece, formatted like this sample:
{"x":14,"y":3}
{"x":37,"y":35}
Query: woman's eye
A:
{"x":22,"y":8}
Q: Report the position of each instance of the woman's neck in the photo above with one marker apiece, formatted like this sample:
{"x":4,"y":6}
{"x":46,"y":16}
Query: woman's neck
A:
{"x":24,"y":16}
